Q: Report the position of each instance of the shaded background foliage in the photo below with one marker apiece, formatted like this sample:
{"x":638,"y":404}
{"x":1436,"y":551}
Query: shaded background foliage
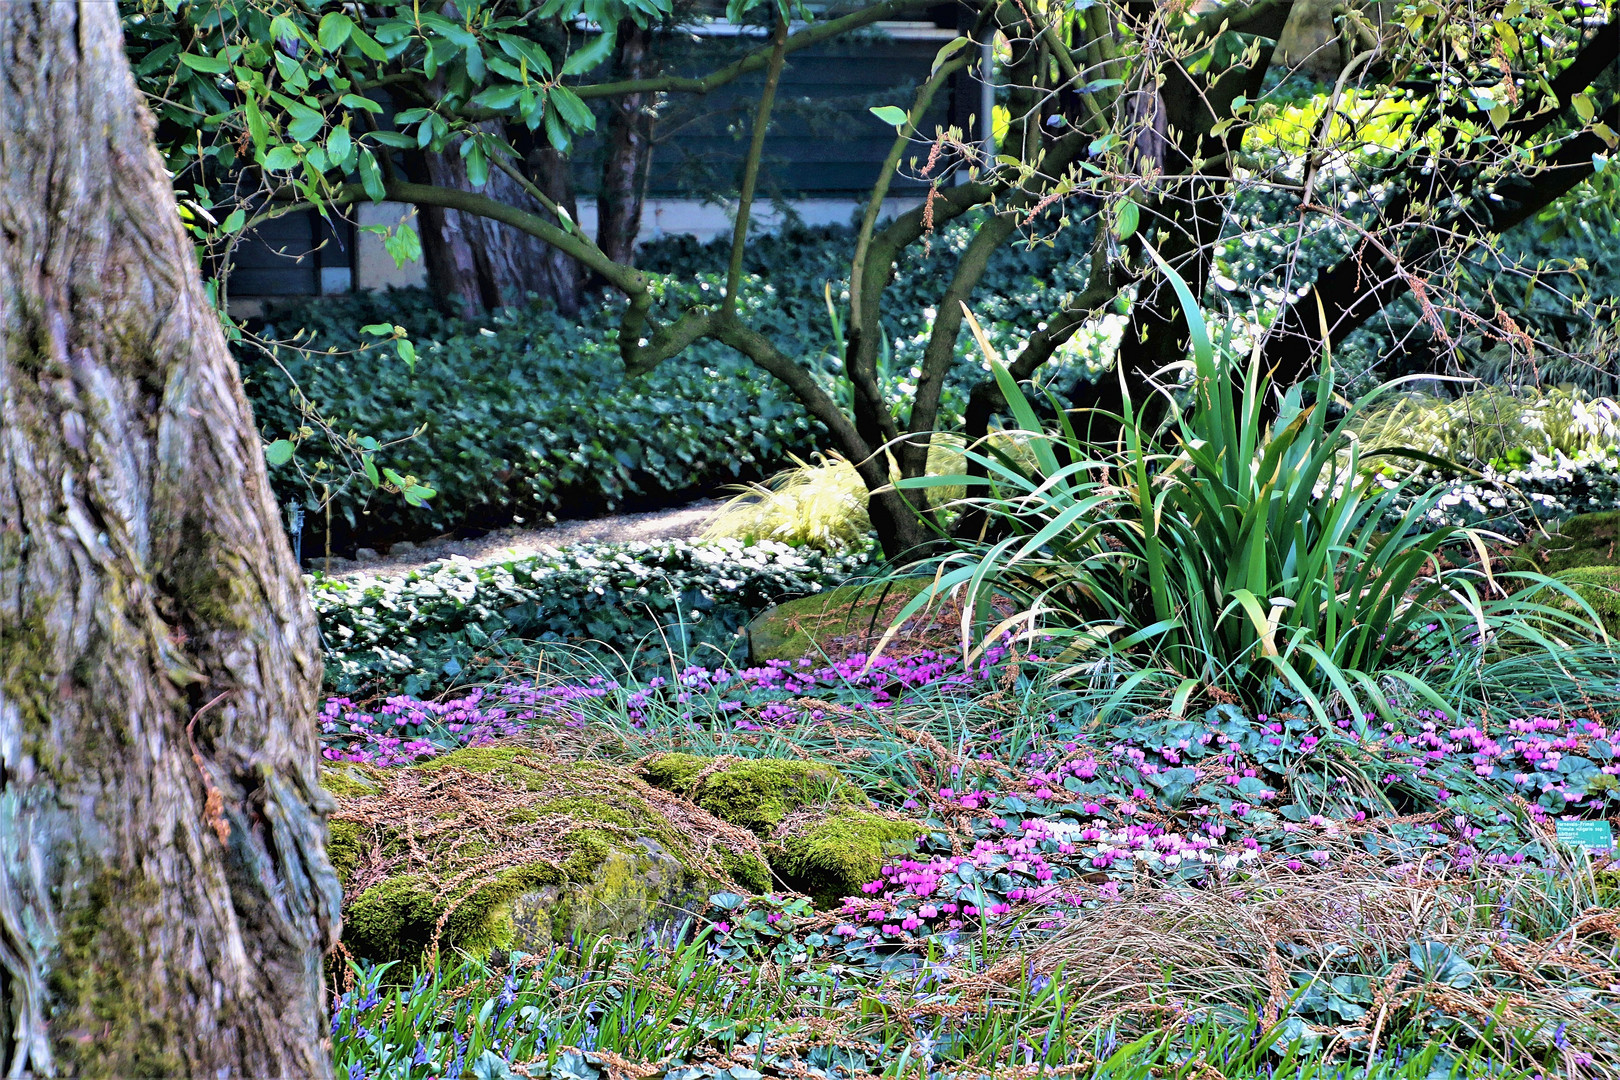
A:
{"x":529,"y":412}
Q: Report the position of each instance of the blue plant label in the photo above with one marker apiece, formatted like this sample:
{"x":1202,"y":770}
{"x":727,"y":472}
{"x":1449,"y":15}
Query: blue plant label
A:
{"x":1591,"y":835}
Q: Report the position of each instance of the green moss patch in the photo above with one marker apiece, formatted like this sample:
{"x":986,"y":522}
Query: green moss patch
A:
{"x":821,"y":836}
{"x":757,"y":794}
{"x":831,"y":857}
{"x":504,"y":847}
{"x":1586,"y":540}
{"x":847,"y":619}
{"x":1599,"y":586}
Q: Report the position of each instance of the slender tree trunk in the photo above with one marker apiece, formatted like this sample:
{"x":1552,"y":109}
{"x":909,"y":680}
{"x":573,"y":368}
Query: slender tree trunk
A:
{"x":629,"y":142}
{"x":561,"y":277}
{"x":475,"y":263}
{"x":165,"y":897}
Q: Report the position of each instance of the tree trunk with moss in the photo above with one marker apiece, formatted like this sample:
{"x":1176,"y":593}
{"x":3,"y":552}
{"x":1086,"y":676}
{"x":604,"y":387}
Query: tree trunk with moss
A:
{"x":476,"y":264}
{"x":629,"y":149}
{"x":165,"y":896}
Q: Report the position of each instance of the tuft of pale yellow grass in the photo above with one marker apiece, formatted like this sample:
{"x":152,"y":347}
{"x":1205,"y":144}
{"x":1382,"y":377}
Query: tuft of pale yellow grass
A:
{"x":822,"y":503}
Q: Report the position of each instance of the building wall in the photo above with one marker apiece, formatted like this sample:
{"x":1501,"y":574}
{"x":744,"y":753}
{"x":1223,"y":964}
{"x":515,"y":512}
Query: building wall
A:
{"x":823,"y":154}
{"x":823,"y":139}
{"x":374,"y":268}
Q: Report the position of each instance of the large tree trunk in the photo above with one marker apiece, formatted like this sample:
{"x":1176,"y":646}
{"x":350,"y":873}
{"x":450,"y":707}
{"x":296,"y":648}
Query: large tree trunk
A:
{"x":476,"y":263}
{"x":165,"y":897}
{"x":629,"y":147}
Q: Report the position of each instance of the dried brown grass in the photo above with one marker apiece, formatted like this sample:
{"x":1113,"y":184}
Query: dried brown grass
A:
{"x":1555,"y":962}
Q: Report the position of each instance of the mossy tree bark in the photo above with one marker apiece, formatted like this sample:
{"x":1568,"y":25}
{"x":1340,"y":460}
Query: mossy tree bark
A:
{"x":476,"y":264}
{"x":165,"y":896}
{"x":629,"y":148}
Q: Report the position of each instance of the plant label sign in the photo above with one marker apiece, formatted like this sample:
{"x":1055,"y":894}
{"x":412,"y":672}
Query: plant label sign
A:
{"x":1591,"y":835}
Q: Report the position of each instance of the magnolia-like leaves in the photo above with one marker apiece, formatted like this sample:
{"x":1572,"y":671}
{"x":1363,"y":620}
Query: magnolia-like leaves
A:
{"x":1126,"y":221}
{"x":893,"y":115}
{"x":318,"y":87}
{"x":946,"y":51}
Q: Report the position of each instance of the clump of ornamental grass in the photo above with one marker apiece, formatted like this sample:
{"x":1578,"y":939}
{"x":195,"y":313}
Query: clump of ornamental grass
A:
{"x":1232,"y":555}
{"x":822,"y":503}
{"x":819,"y":503}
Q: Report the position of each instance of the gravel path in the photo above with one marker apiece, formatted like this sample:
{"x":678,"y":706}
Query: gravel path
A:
{"x":678,"y":522}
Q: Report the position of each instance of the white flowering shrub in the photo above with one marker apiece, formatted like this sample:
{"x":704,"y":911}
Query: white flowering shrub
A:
{"x":461,"y":621}
{"x":1507,"y":499}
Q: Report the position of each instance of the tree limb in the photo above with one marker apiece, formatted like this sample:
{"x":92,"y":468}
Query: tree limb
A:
{"x":880,"y":190}
{"x":756,"y":152}
{"x":1348,"y":305}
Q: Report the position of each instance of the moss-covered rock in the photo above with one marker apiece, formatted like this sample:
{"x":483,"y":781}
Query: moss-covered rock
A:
{"x":1599,"y":586}
{"x":822,"y":837}
{"x":837,"y":622}
{"x":496,"y":848}
{"x":1586,"y":540}
{"x":829,"y":857}
{"x":755,"y":793}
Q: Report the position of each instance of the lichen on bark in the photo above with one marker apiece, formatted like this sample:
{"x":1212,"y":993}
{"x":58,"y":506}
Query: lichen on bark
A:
{"x":165,"y":898}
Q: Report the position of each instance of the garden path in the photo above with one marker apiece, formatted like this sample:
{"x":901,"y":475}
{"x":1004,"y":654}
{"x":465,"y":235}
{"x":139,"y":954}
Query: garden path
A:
{"x":676,"y":522}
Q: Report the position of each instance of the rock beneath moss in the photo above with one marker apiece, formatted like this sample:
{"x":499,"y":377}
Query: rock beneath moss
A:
{"x":822,"y":837}
{"x":830,"y":856}
{"x":497,"y":848}
{"x":835,"y":623}
{"x":1599,"y":586}
{"x":1586,"y":540}
{"x":755,"y":793}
